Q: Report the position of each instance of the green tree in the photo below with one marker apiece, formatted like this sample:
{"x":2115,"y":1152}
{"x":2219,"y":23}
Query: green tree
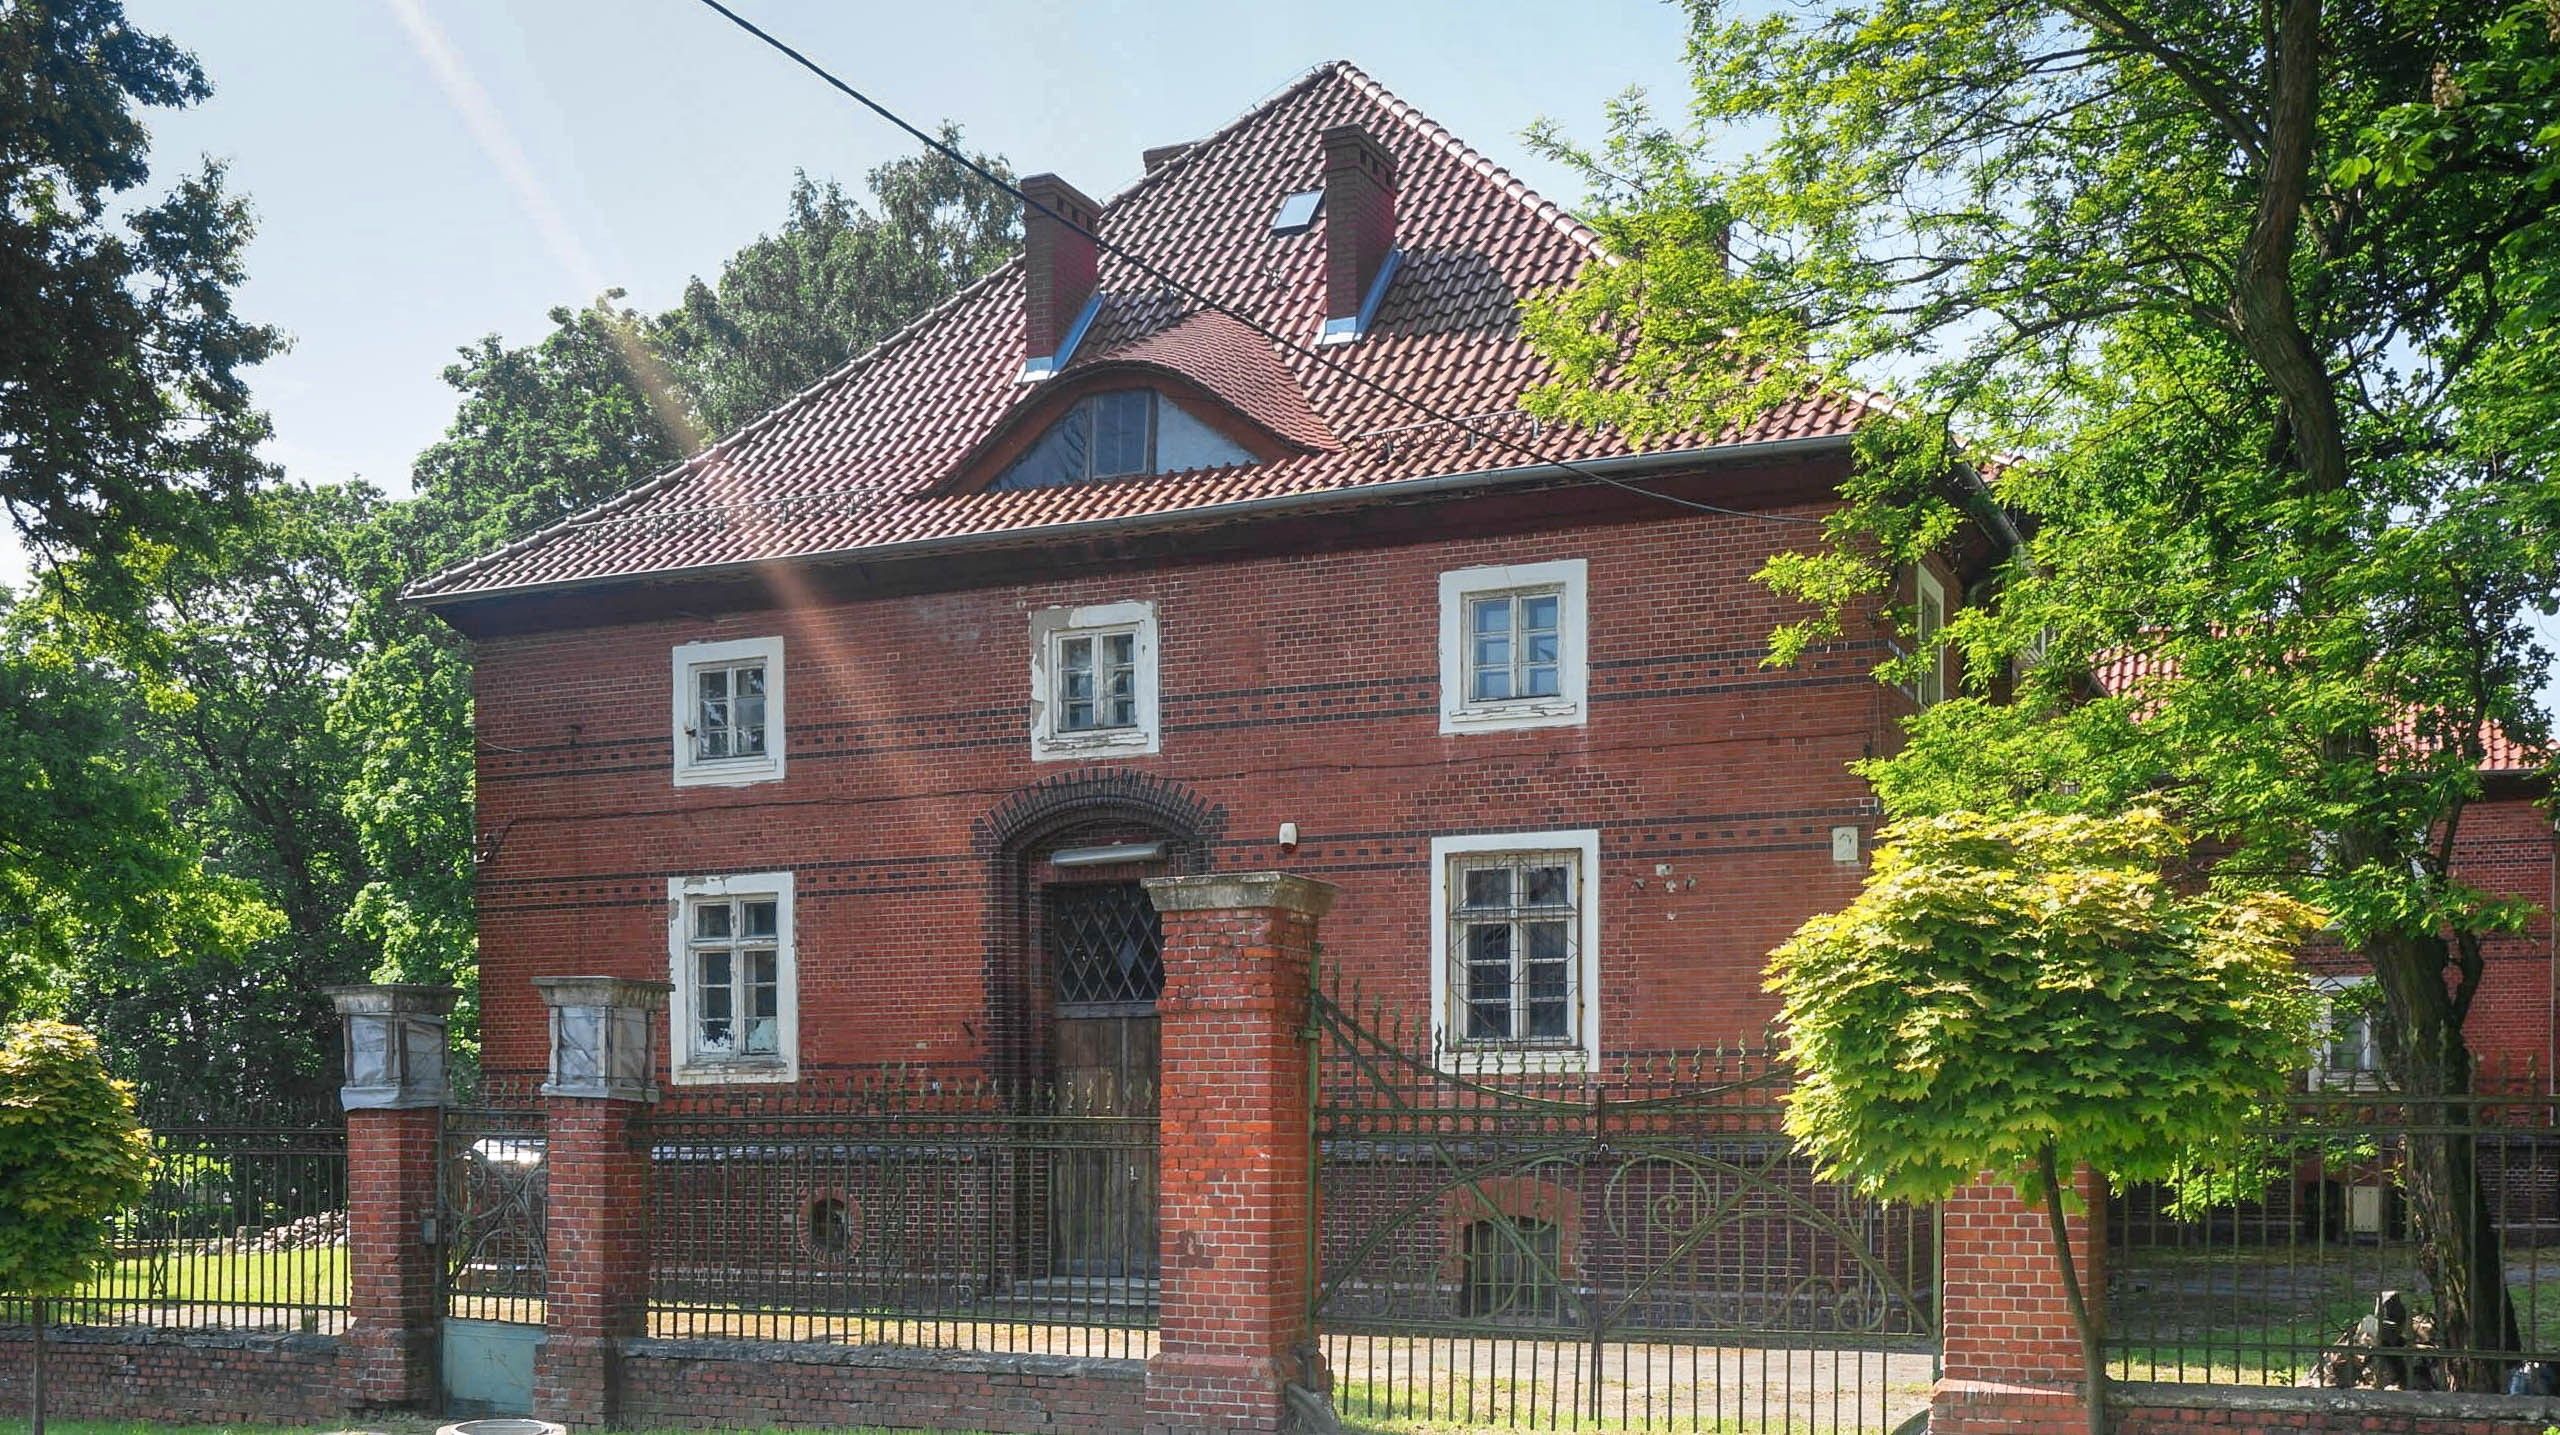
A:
{"x":834,"y":280}
{"x":71,"y":1155}
{"x":2253,"y":303}
{"x":122,"y":404}
{"x":2028,"y":996}
{"x":226,"y":697}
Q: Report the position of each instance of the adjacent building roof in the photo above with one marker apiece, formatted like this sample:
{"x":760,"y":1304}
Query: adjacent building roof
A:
{"x":2126,"y":673}
{"x":863,"y":460}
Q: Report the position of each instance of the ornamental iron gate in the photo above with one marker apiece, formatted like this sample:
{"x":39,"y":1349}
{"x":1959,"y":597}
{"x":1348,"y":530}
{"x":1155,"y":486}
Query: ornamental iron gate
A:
{"x":492,"y":1188}
{"x":1638,"y":1249}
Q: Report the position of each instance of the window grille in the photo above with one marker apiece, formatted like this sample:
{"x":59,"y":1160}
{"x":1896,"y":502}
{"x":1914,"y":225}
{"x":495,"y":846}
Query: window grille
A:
{"x":1513,"y":645}
{"x":736,"y":969}
{"x":1106,"y":944}
{"x":1514,"y":930}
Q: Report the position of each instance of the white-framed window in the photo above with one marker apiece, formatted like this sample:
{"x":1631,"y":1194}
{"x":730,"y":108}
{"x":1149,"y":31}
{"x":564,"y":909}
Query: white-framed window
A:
{"x":1515,"y":937}
{"x":735,"y":1011}
{"x":2349,"y":1050}
{"x":728,"y":712}
{"x":1514,"y":646}
{"x":1928,"y":623}
{"x":1093,"y":681}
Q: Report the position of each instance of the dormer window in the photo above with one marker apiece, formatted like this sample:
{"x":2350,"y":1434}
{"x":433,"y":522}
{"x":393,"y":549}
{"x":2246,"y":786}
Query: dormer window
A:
{"x":1120,"y":433}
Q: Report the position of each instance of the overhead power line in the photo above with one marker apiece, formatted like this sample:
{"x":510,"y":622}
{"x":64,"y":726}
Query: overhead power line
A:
{"x":952,"y":153}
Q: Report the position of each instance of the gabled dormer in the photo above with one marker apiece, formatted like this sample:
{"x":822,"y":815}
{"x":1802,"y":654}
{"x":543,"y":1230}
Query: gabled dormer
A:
{"x":1203,"y":392}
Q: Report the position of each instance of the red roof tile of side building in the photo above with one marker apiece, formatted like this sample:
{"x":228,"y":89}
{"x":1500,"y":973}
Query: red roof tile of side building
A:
{"x":2126,"y":673}
{"x":870,"y":457}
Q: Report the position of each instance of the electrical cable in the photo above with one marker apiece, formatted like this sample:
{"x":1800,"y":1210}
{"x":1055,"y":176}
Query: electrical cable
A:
{"x":1462,"y":425}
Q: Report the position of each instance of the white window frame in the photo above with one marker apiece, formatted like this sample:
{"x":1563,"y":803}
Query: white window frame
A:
{"x":1454,"y":1050}
{"x":683,"y":1067}
{"x":767,"y":766}
{"x":1051,"y":627}
{"x":2323,"y":1076}
{"x":1570,"y":580}
{"x":1931,"y":688}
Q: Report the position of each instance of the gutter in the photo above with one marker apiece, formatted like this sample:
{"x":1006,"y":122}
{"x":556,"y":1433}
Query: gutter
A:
{"x":1139,"y":522}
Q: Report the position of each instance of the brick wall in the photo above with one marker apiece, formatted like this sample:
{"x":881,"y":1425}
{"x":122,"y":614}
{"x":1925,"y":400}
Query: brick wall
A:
{"x":1297,"y":686}
{"x":166,"y":1376}
{"x":749,"y":1385}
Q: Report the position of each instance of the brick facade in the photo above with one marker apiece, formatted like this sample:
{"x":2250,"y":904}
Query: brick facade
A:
{"x":175,"y":1377}
{"x":750,"y":1385}
{"x":392,"y":1299}
{"x":1298,"y":686}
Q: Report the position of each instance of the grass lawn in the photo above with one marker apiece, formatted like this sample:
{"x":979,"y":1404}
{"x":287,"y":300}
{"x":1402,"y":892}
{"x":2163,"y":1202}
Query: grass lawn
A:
{"x":286,"y":1278}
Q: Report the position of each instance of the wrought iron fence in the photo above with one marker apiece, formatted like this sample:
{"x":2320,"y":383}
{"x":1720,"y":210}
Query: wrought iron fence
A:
{"x":905,"y":1209}
{"x":1639,"y":1247}
{"x":492,"y":1203}
{"x":2310,"y":1262}
{"x":244,"y":1227}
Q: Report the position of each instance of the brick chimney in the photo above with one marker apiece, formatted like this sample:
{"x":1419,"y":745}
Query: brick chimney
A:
{"x":1359,"y":225}
{"x":1058,"y":265}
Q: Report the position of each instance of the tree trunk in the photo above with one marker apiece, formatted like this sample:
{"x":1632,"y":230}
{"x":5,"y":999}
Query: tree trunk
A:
{"x":35,"y":1380}
{"x":2093,"y":1338}
{"x":2466,"y":1260}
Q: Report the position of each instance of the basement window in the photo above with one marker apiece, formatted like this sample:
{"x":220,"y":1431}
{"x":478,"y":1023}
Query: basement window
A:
{"x":1120,"y":433}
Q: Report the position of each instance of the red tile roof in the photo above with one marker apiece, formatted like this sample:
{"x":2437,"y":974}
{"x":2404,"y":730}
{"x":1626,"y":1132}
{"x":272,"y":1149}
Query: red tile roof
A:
{"x":2125,"y":674}
{"x":854,"y":462}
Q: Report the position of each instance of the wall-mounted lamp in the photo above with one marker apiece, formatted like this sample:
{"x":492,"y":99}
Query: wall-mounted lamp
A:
{"x":1112,"y":855}
{"x":1288,"y":837}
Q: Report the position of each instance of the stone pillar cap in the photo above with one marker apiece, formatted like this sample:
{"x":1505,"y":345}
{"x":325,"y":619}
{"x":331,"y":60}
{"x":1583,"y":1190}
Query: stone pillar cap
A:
{"x":393,"y":999}
{"x":1246,"y":891}
{"x":604,"y":991}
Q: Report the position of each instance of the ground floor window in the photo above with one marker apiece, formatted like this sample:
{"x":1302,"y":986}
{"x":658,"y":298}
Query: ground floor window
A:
{"x":733,"y":1016}
{"x":1515,"y":925}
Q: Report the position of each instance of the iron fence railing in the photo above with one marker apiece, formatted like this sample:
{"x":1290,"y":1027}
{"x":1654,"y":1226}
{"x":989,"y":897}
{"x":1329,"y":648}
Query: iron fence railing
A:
{"x":493,"y":1205}
{"x":2310,"y":1261}
{"x":908,"y":1210}
{"x":1633,"y":1247}
{"x":244,"y":1227}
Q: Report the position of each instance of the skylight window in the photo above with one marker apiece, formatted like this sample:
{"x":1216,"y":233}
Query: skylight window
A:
{"x":1118,"y":434}
{"x":1297,"y":211}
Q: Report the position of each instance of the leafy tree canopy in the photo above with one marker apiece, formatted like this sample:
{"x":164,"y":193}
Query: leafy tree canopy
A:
{"x":2006,"y":990}
{"x":2242,"y":314}
{"x":123,"y":408}
{"x":70,"y":1156}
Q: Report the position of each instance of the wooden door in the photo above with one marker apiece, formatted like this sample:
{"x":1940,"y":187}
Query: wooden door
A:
{"x":1106,"y":966}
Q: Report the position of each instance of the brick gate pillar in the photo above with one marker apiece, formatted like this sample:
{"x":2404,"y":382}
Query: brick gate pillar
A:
{"x":394,"y":1045}
{"x":2009,"y":1353}
{"x":1237,"y":1186}
{"x":596,"y":1228}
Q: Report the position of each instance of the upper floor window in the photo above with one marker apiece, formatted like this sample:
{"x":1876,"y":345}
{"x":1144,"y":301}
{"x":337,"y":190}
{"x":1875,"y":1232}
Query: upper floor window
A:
{"x":734,"y":1014}
{"x":1116,"y":434}
{"x":1513,"y":646}
{"x":1093,"y":680}
{"x":1517,"y":929}
{"x":728,"y":712}
{"x":1928,"y":625}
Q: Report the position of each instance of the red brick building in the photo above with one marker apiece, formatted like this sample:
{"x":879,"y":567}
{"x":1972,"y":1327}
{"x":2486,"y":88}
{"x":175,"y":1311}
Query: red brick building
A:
{"x":862,"y":725}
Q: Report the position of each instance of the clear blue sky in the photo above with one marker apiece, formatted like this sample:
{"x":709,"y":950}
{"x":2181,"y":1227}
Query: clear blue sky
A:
{"x":428,"y":171}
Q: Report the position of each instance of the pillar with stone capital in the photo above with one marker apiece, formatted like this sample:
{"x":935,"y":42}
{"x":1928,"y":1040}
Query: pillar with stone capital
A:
{"x":394,"y":1048}
{"x":2009,"y":1352}
{"x":603,"y":1074}
{"x":1238,"y":1184}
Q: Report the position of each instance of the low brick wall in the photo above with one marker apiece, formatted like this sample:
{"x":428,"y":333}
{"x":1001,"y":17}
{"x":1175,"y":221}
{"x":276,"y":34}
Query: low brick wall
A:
{"x":694,"y":1383}
{"x":195,"y":1378}
{"x":1981,"y":1407}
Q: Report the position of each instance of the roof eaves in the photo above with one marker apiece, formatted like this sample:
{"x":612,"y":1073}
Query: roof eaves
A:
{"x":440,"y":579}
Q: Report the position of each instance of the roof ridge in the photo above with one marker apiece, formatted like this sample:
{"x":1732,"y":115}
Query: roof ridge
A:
{"x":1447,"y":140}
{"x":1287,"y":91}
{"x":657,"y":482}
